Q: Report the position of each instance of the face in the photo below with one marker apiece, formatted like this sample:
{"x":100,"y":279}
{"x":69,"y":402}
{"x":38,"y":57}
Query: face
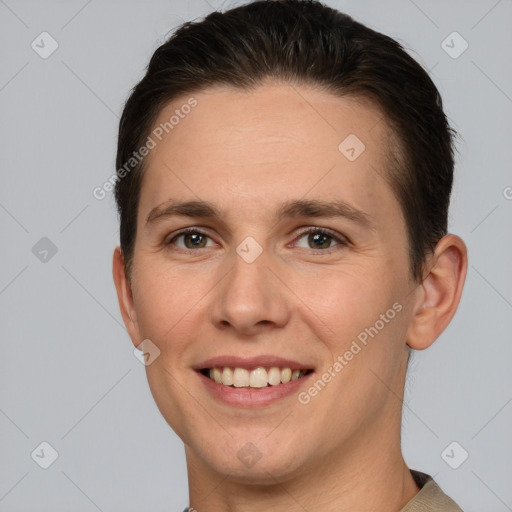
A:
{"x":299,"y":260}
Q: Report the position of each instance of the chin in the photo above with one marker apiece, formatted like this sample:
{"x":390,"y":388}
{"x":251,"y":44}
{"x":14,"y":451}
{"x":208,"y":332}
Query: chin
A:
{"x":264,"y":471}
{"x":258,"y":462}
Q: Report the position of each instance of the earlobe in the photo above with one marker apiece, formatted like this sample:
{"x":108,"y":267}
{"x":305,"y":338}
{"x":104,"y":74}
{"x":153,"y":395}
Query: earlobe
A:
{"x":124,"y":296}
{"x":439,"y":294}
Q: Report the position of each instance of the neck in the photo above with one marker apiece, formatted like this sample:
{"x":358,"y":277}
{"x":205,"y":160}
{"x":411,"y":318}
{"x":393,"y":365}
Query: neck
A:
{"x":366,"y":474}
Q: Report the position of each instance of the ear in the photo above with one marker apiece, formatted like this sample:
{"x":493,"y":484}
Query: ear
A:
{"x":125,"y":296}
{"x":438,"y":295}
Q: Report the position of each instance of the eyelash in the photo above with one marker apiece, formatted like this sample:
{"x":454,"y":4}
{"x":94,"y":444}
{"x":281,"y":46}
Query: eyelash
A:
{"x":342,"y":241}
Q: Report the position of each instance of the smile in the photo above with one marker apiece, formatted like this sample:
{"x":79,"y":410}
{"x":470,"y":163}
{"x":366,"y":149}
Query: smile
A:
{"x":258,"y":377}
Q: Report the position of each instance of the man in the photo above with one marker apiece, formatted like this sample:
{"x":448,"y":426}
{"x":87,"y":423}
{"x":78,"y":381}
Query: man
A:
{"x":284,"y":176}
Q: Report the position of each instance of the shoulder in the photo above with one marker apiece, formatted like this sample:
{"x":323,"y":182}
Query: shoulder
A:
{"x":430,"y":497}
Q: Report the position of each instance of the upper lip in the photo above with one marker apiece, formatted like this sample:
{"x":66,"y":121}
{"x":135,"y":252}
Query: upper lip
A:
{"x":251,"y":362}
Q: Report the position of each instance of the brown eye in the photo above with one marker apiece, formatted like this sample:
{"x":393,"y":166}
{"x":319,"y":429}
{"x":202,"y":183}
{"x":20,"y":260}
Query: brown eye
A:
{"x":320,"y":239}
{"x":194,"y":240}
{"x":190,"y":240}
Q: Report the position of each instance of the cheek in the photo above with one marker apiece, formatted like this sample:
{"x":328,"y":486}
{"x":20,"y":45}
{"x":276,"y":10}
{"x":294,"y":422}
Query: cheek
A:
{"x":361,"y":319}
{"x":347,"y":300}
{"x":165,"y":301}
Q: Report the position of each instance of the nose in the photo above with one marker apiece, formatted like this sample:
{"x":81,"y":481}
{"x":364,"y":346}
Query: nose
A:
{"x":251,"y":298}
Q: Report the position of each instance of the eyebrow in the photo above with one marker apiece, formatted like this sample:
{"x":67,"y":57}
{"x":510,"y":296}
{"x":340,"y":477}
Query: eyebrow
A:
{"x":288,"y":210}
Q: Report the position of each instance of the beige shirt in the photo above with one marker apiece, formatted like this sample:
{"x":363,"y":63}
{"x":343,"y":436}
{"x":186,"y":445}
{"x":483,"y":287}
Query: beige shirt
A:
{"x":430,"y":498}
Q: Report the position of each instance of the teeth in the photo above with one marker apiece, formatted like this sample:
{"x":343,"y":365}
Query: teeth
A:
{"x":227,"y":377}
{"x":274,"y":376}
{"x":240,"y":378}
{"x":286,"y":375}
{"x":217,"y":375}
{"x":256,"y":378}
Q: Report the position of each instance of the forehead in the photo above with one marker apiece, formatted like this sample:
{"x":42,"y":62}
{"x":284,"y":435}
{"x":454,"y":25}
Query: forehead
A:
{"x":274,"y":143}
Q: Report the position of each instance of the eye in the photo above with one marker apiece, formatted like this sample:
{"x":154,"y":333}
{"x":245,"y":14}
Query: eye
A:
{"x":193,"y":238}
{"x":320,"y":239}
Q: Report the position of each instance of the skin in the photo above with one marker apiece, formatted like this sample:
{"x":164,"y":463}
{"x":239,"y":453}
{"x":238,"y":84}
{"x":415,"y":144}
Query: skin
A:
{"x":247,"y":152}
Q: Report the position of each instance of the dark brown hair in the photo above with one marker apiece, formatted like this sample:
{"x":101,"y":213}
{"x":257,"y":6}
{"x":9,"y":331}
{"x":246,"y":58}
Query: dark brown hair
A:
{"x":302,"y":42}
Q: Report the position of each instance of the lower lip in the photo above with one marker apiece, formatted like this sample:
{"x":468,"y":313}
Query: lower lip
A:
{"x":252,"y":397}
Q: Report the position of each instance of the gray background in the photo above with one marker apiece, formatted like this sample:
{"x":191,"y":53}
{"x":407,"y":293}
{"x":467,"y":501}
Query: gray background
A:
{"x":68,"y":374}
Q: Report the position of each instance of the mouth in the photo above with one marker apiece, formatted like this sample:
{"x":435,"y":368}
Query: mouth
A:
{"x":259,"y":377}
